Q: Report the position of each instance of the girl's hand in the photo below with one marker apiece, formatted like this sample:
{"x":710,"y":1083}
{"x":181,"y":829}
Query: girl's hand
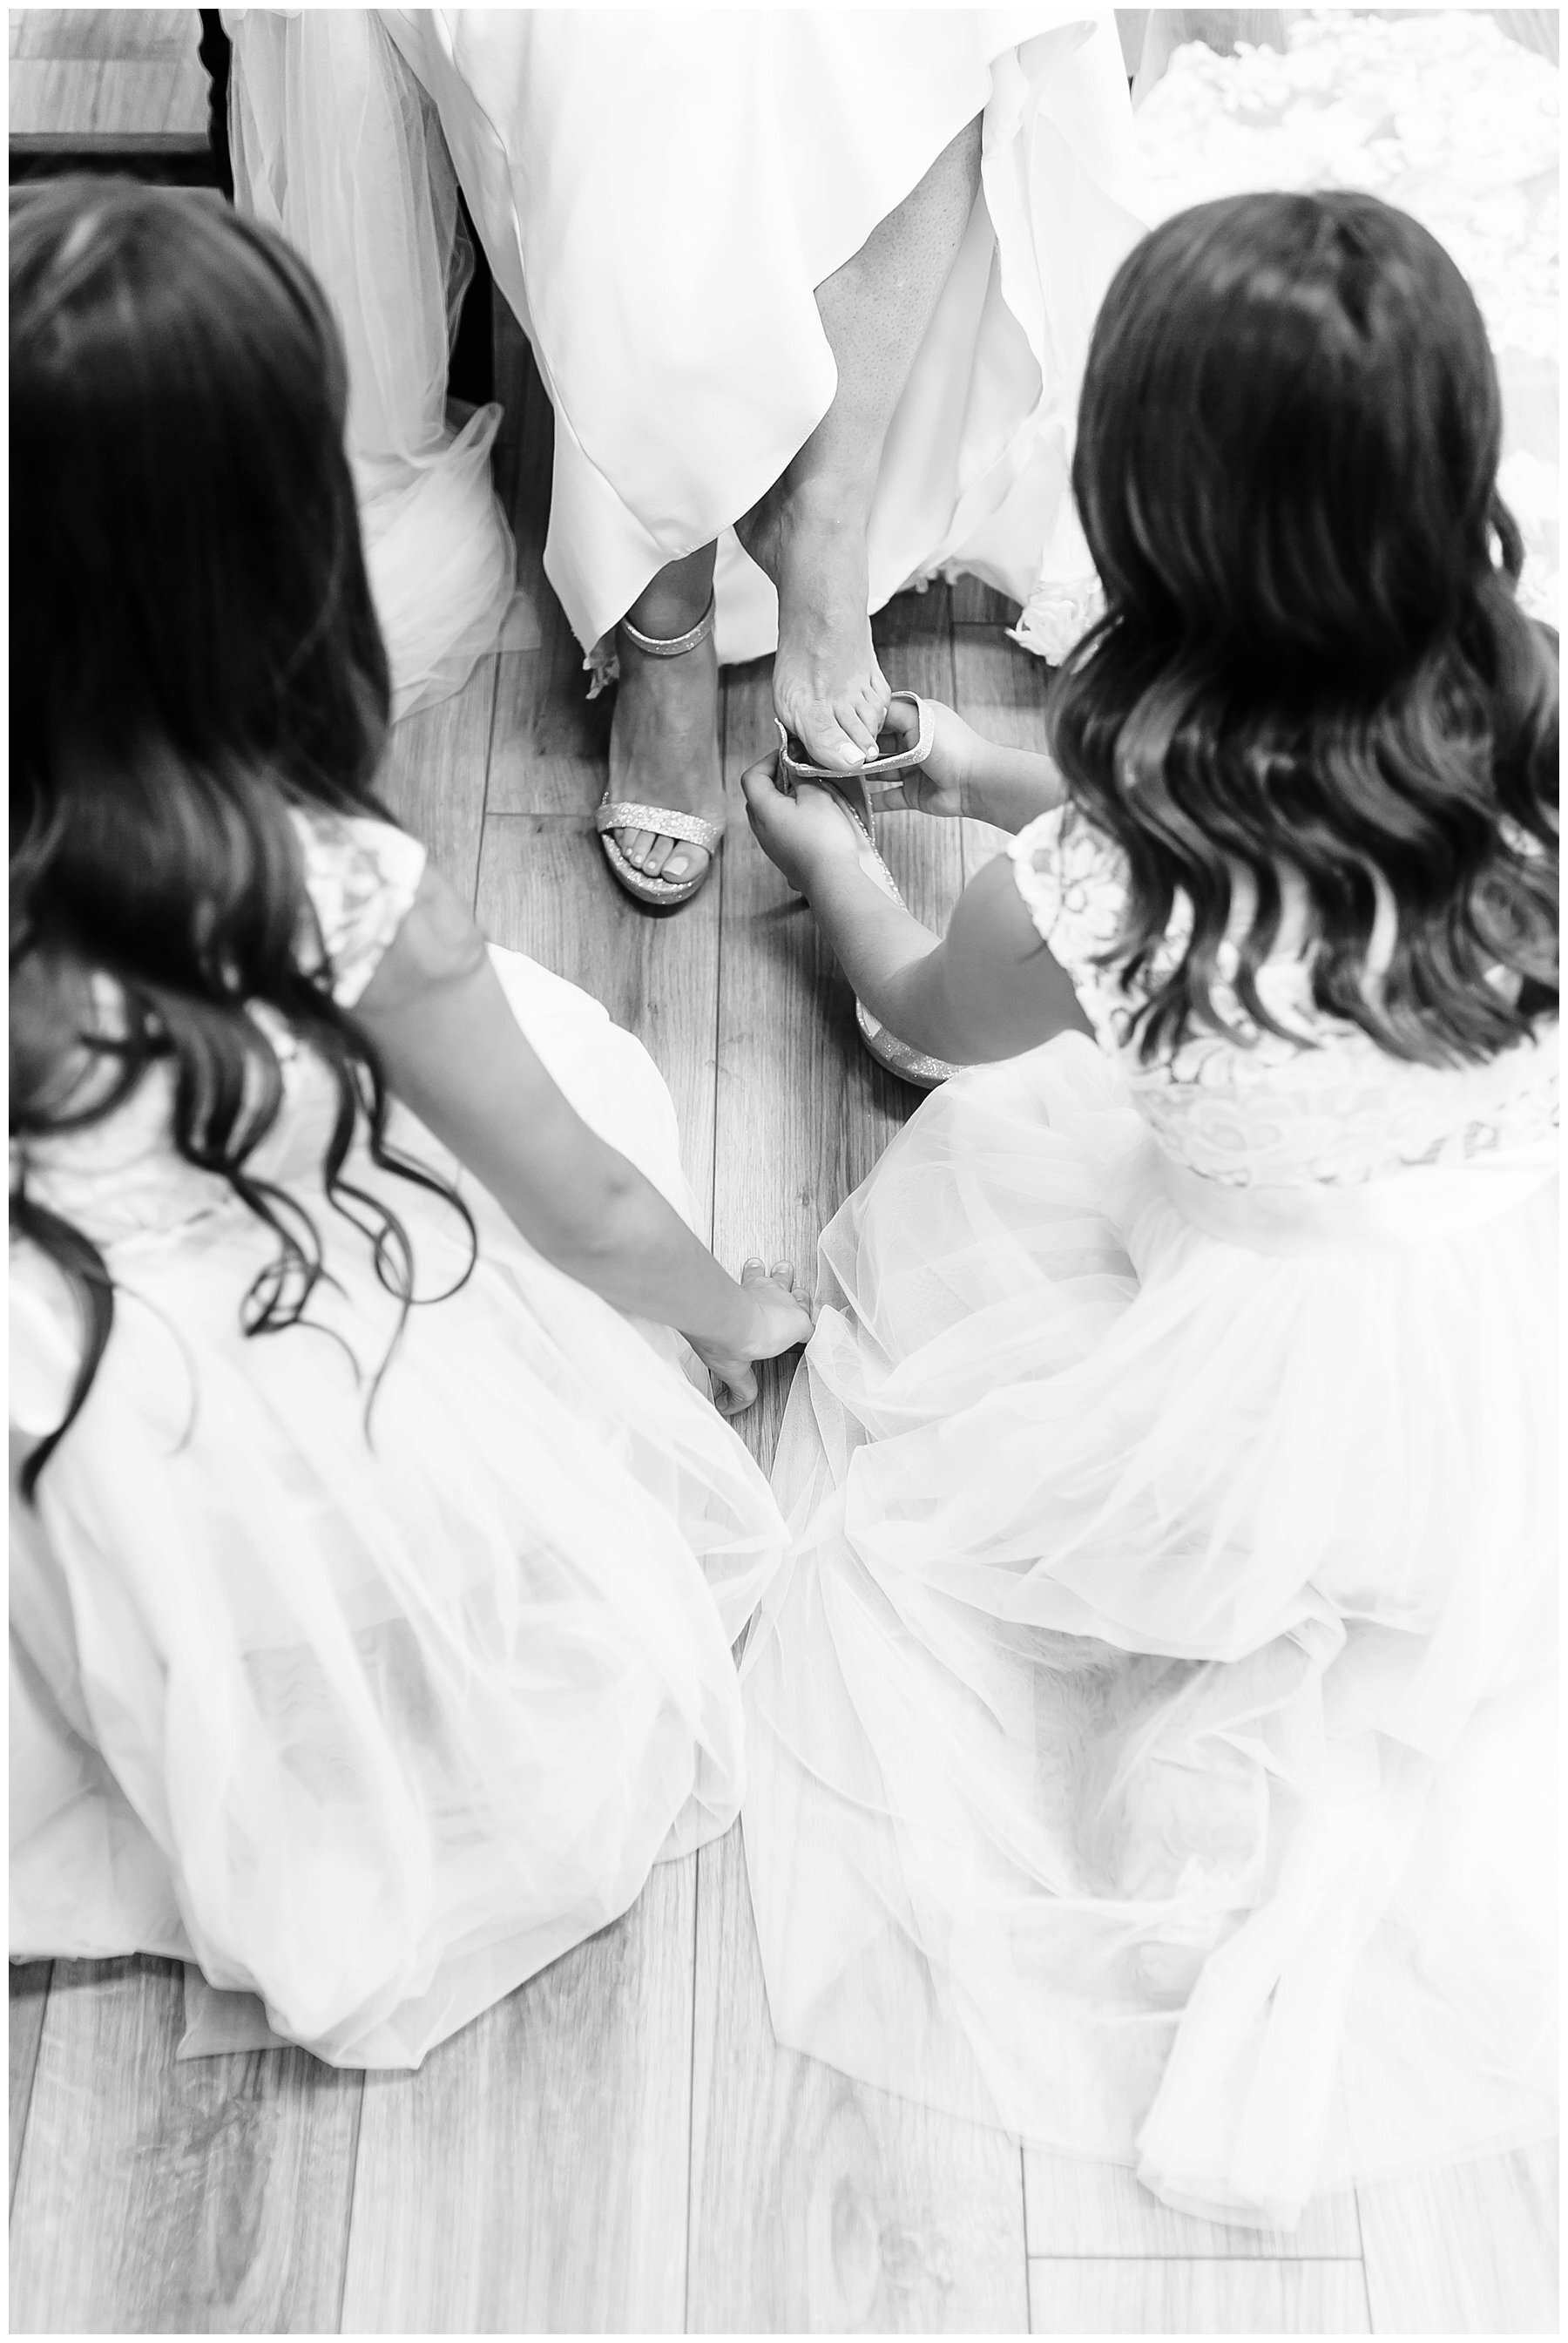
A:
{"x":781,"y":1316}
{"x":802,"y":834}
{"x":941,"y":786}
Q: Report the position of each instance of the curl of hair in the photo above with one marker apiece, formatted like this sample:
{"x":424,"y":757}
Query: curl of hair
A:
{"x":194,"y":653}
{"x":1312,"y":665}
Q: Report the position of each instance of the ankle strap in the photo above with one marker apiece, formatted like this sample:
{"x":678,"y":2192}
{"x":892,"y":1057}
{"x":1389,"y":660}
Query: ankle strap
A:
{"x":670,"y":646}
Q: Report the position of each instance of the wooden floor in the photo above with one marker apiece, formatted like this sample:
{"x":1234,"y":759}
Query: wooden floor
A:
{"x":105,"y":72}
{"x":620,"y":2145}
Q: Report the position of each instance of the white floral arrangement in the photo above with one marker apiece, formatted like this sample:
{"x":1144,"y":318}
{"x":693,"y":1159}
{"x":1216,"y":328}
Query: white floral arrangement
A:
{"x":1440,"y":113}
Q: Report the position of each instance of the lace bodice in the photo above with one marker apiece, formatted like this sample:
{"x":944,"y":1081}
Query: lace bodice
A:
{"x":121,"y":1178}
{"x":1330,"y":1107}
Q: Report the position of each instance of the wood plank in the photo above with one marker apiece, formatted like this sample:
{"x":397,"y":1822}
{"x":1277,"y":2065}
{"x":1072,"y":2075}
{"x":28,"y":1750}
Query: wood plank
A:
{"x":434,"y":778}
{"x":155,"y":2197}
{"x":1471,"y":2249}
{"x":1196,"y":2298}
{"x":1000,"y":688}
{"x":532,"y":2175}
{"x":977,"y":605}
{"x":129,"y":33}
{"x":29,"y":1997}
{"x":1073,"y":2207}
{"x":544,"y":890}
{"x":818,"y":2206}
{"x":550,"y":753}
{"x":92,"y":96}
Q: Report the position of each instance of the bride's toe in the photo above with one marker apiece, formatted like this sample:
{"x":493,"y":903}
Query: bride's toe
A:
{"x":858,"y":718}
{"x":873,"y":711}
{"x":828,"y":742}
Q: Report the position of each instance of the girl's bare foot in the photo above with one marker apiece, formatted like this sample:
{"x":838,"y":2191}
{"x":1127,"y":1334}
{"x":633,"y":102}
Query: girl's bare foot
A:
{"x":828,"y":687}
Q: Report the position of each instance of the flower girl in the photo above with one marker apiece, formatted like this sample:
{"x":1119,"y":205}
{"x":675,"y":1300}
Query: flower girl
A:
{"x":375,"y":1563}
{"x":1151,"y":1737}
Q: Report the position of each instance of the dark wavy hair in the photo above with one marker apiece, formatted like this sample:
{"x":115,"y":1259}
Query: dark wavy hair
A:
{"x":194,"y":652}
{"x":1312,"y":661}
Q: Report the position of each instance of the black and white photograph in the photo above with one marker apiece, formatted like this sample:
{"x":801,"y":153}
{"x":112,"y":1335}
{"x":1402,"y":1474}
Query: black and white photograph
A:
{"x":784,"y":1216}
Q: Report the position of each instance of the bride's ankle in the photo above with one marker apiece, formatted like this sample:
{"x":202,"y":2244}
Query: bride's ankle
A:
{"x":825,"y":507}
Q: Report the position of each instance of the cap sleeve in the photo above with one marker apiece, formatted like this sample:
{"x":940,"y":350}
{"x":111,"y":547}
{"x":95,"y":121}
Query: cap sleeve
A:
{"x":362,"y":875}
{"x":1071,"y":879}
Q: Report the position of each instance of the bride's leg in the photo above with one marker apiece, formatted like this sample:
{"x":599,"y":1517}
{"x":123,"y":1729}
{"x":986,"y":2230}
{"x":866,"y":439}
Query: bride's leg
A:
{"x":664,"y":741}
{"x":809,"y":533}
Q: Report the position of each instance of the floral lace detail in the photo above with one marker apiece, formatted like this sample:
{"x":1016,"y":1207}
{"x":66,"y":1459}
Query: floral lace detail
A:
{"x":1266,"y":1110}
{"x":362,"y":875}
{"x":1058,"y":614}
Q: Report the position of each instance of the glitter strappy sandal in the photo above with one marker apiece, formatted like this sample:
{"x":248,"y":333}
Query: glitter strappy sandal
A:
{"x":855,"y":792}
{"x":666,"y":821}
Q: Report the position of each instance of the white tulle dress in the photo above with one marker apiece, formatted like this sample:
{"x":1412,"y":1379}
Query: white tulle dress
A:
{"x":1152,"y":1737}
{"x":367,"y":1729}
{"x":659,"y":193}
{"x":336,"y":146}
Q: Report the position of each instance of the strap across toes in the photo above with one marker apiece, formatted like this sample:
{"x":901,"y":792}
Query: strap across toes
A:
{"x":662,"y":821}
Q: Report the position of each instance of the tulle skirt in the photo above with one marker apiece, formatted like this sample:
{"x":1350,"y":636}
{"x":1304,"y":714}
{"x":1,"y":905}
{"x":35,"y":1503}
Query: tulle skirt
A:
{"x":370,"y":1727}
{"x":659,"y":193}
{"x":336,"y":146}
{"x":1152,"y":1736}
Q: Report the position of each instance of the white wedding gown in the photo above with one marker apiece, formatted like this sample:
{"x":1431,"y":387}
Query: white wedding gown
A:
{"x":368,"y":1726}
{"x":1152,"y":1737}
{"x":659,"y":193}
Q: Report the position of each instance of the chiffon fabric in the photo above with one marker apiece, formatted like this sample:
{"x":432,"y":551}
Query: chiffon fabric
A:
{"x":1151,"y":1738}
{"x":369,"y":1709}
{"x":335,"y":146}
{"x":660,"y":192}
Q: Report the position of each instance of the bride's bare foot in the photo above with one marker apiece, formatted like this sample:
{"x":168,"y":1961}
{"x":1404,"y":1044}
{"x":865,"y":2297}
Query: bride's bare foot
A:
{"x":664,"y":751}
{"x":828,"y":687}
